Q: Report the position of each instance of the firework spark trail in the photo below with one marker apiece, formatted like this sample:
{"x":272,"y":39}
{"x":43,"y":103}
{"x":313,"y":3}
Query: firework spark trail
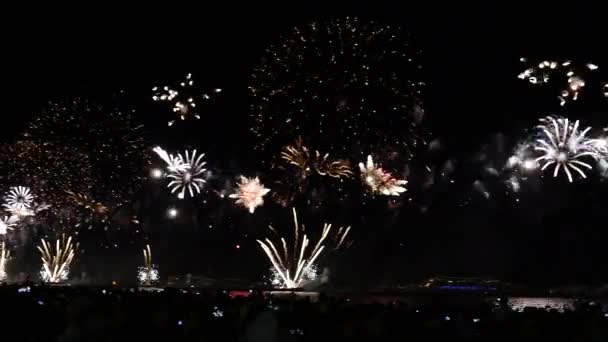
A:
{"x":379,"y":180}
{"x":293,"y":264}
{"x":56,"y":262}
{"x":184,"y":98}
{"x":189,"y":177}
{"x":330,"y":80}
{"x":562,"y":146}
{"x":148,"y":273}
{"x":250,"y":193}
{"x":4,"y":256}
{"x":174,"y":163}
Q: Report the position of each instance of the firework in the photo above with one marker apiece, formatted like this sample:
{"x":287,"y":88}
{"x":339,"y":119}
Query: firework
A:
{"x":56,"y":262}
{"x":330,"y":82}
{"x":605,"y":90}
{"x":563,"y":145}
{"x":183,"y":99}
{"x":106,"y":138}
{"x":293,"y":264}
{"x":48,"y":170}
{"x":174,"y":163}
{"x":545,"y":71}
{"x":7,"y":223}
{"x":148,"y":273}
{"x":380,"y":181}
{"x":188,"y":177}
{"x":4,"y":255}
{"x":88,"y":203}
{"x":19,"y":197}
{"x":299,"y":156}
{"x":250,"y":193}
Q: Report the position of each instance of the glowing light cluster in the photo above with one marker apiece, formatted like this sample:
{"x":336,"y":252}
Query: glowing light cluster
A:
{"x":295,"y":264}
{"x":250,"y":193}
{"x":56,"y":261}
{"x":148,"y":273}
{"x":380,"y":181}
{"x":183,"y":98}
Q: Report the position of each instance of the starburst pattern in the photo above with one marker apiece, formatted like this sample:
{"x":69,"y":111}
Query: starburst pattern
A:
{"x":294,"y":264}
{"x":56,"y":261}
{"x":19,"y":197}
{"x":188,"y":178}
{"x":563,"y":146}
{"x":250,"y":193}
{"x":183,"y":99}
{"x":380,"y":181}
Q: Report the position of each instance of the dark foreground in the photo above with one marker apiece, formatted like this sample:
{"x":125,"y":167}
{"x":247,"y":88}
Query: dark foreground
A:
{"x":88,"y":314}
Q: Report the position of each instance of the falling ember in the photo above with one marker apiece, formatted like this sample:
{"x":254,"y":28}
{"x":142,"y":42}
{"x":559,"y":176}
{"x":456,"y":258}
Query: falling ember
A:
{"x":56,"y":262}
{"x":379,"y":180}
{"x":156,"y":173}
{"x":250,"y":193}
{"x":293,"y":263}
{"x":562,"y":146}
{"x":148,"y":273}
{"x":4,"y":256}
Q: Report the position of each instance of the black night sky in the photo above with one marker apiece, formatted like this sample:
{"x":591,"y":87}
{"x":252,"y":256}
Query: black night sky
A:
{"x":555,"y":234}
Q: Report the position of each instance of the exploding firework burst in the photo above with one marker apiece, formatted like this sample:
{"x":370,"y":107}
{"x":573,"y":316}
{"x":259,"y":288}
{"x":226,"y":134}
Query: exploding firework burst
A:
{"x":250,"y":193}
{"x":4,"y":256}
{"x":188,"y":176}
{"x":293,"y":264}
{"x":110,"y":140}
{"x":183,"y":99}
{"x":7,"y":223}
{"x":19,"y":197}
{"x":545,"y":71}
{"x":344,"y":84}
{"x":56,"y":262}
{"x":148,"y":273}
{"x":380,"y":181}
{"x":563,"y":146}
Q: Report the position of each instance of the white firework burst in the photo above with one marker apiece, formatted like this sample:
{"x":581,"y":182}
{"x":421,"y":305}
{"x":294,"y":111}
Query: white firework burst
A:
{"x":7,"y":223}
{"x":147,"y":275}
{"x":379,"y":180}
{"x":250,"y":193}
{"x":188,"y":178}
{"x":19,"y":197}
{"x":563,"y":145}
{"x":174,"y":163}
